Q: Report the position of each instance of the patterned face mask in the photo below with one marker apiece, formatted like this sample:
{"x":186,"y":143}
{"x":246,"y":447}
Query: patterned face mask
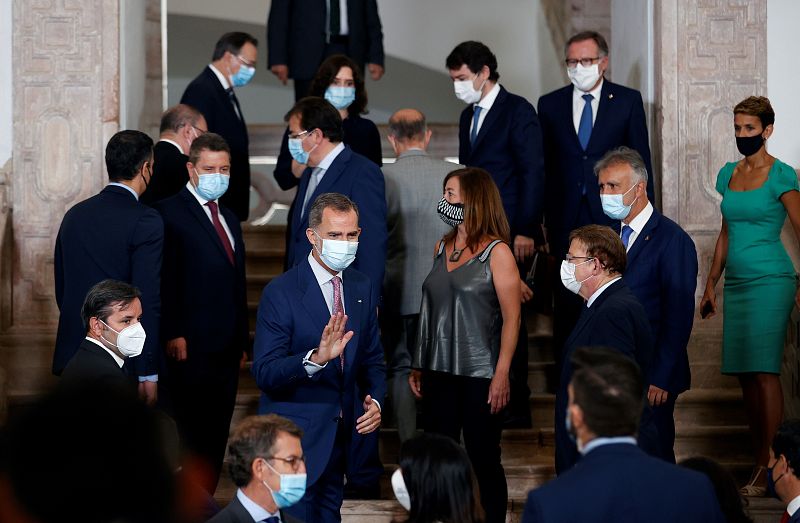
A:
{"x":451,"y":213}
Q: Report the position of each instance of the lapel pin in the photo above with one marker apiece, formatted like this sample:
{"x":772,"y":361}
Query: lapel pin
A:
{"x":610,"y":96}
{"x":647,"y":237}
{"x":359,"y":301}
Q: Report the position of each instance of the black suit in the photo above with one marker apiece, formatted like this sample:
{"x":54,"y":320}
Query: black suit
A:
{"x":93,"y":363}
{"x":616,"y":320}
{"x":205,"y":302}
{"x":206,"y":94}
{"x":110,"y":235}
{"x":235,"y":512}
{"x":169,"y":173}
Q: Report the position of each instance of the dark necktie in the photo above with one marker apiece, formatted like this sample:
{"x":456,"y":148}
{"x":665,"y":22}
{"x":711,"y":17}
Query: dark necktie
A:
{"x":223,"y":236}
{"x":626,"y":235}
{"x":785,"y":517}
{"x":585,"y":126}
{"x":337,"y":306}
{"x":271,"y":519}
{"x":475,"y":118}
{"x":335,"y":17}
{"x":234,"y":101}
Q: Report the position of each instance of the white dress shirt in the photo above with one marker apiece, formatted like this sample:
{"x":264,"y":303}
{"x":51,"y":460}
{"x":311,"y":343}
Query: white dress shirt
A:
{"x":599,"y":442}
{"x":256,"y":511}
{"x":599,"y":291}
{"x":119,"y":360}
{"x":344,"y":28}
{"x":578,"y":103}
{"x":485,"y":104}
{"x":793,"y":505}
{"x":176,"y":144}
{"x":221,"y":77}
{"x":126,"y":187}
{"x":637,"y":224}
{"x":202,"y":201}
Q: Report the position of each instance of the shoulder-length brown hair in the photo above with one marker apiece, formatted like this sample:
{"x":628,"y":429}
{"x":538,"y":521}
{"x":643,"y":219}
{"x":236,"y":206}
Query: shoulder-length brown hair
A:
{"x":327,"y":73}
{"x":484,"y":216}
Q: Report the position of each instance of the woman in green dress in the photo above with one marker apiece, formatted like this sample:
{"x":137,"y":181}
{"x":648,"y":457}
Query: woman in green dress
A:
{"x":760,"y":282}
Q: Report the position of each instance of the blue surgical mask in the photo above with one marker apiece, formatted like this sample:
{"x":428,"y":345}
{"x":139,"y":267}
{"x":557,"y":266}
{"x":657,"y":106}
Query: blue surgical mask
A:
{"x":211,"y":186}
{"x":297,"y":151}
{"x":243,"y":75}
{"x":613,"y":206}
{"x":337,"y":254}
{"x":292,"y":489}
{"x":340,"y":97}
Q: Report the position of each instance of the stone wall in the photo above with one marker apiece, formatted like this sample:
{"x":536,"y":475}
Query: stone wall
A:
{"x":567,"y":17}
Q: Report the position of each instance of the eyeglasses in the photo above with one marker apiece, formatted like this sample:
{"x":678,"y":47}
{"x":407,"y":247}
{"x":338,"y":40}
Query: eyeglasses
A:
{"x":293,"y":462}
{"x":586,"y":62}
{"x":248,"y":63}
{"x":298,"y":135}
{"x":569,"y":258}
{"x":200,"y":132}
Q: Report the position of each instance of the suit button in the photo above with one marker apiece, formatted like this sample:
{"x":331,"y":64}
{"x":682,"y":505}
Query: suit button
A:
{"x":585,"y":157}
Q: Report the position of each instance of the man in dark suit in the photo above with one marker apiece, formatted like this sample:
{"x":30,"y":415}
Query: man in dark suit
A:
{"x":317,"y":347}
{"x":316,"y":127}
{"x":205,"y":304}
{"x":662,"y":273}
{"x":580,"y":123}
{"x":111,"y":312}
{"x":615,"y":481}
{"x":232,"y":65}
{"x":784,"y":460}
{"x":111,"y":235}
{"x":612,"y":317}
{"x":180,"y":125}
{"x":268,"y":467}
{"x":302,"y":33}
{"x":499,"y":131}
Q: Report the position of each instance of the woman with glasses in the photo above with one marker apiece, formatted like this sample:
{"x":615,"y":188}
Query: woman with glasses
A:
{"x":468,"y":326}
{"x":339,"y":81}
{"x":758,"y":192}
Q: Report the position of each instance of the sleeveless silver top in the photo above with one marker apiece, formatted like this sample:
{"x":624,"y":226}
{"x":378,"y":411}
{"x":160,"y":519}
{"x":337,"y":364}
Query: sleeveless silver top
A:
{"x":460,"y":320}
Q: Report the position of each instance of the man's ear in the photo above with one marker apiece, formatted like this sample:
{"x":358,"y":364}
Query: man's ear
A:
{"x":312,"y":238}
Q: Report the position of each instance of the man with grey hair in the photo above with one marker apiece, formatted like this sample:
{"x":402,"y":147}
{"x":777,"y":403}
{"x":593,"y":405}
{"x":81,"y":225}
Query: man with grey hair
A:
{"x":413,"y":188}
{"x":662,"y":273}
{"x":317,"y":353}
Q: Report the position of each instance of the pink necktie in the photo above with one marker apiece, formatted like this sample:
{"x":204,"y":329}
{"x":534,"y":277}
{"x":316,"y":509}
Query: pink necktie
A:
{"x":337,"y":306}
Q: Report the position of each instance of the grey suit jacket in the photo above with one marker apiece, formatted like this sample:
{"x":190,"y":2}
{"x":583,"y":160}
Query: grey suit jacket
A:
{"x":235,"y":512}
{"x":413,"y":189}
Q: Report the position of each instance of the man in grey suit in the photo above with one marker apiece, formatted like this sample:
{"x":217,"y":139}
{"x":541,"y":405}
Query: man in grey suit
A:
{"x":413,"y":189}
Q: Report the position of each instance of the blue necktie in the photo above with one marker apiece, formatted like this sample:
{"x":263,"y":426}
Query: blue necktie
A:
{"x":475,"y":117}
{"x":585,"y":127}
{"x":626,"y":235}
{"x":271,"y":519}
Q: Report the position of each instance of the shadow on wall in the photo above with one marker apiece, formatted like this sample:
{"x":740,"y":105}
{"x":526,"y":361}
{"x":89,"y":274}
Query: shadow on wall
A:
{"x":191,"y":42}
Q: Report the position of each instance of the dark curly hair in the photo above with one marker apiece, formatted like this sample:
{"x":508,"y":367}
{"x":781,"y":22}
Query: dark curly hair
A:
{"x":327,"y":73}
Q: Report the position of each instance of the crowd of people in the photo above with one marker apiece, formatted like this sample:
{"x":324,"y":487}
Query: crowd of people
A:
{"x":404,"y":291}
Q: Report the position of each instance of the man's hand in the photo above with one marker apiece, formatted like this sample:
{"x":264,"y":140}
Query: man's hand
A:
{"x":281,"y":71}
{"x":148,"y":392}
{"x":333,"y":341}
{"x":176,"y":349}
{"x":298,"y":168}
{"x":415,"y":382}
{"x":527,"y":293}
{"x":375,"y":71}
{"x":656,"y":396}
{"x":499,"y":391}
{"x":371,"y":419}
{"x":523,"y":247}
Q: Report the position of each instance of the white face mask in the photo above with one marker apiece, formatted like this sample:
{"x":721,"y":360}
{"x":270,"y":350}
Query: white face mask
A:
{"x":400,"y":490}
{"x":568,"y":276}
{"x":584,"y":78}
{"x":466,"y":92}
{"x":130,"y":340}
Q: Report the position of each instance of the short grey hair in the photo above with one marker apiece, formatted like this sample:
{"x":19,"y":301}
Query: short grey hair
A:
{"x":404,"y":129}
{"x":623,"y":156}
{"x":602,"y":45}
{"x":334,"y":200}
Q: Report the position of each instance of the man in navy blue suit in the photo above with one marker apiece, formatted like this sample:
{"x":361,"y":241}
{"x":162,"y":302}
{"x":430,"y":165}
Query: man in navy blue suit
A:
{"x":317,"y":348}
{"x":580,"y":123}
{"x":611,"y":317}
{"x":615,"y":481}
{"x":499,"y":131}
{"x":204,"y":299}
{"x":784,"y":461}
{"x":315,"y":139}
{"x":112,"y":236}
{"x":662,"y":273}
{"x":233,"y":64}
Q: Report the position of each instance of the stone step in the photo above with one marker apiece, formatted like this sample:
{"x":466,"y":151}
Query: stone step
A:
{"x":260,"y":236}
{"x":706,"y":406}
{"x":263,"y":264}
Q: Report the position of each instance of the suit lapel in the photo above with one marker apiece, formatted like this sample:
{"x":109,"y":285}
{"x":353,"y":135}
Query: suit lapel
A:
{"x":644,"y":237}
{"x":353,"y":306}
{"x":491,"y":117}
{"x":583,"y":321}
{"x":332,"y":173}
{"x":197,"y":211}
{"x":297,"y":206}
{"x":313,"y":301}
{"x":566,"y":104}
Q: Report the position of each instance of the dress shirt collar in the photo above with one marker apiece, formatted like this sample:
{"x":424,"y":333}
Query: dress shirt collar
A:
{"x":600,"y":442}
{"x":330,"y":157}
{"x":173,"y":143}
{"x":119,"y":360}
{"x":638,"y":223}
{"x":127,"y":187}
{"x":320,"y":272}
{"x":221,"y":77}
{"x":793,"y":505}
{"x":412,"y":151}
{"x":578,"y":94}
{"x":202,"y":201}
{"x":256,"y":511}
{"x":599,"y":291}
{"x":487,"y":101}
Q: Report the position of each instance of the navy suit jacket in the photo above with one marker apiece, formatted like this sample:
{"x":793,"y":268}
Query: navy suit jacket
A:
{"x":362,"y":181}
{"x":620,"y":121}
{"x":662,"y":273}
{"x":203,"y":294}
{"x":618,"y":482}
{"x":110,"y":235}
{"x":206,"y":94}
{"x":93,"y":363}
{"x":616,"y":320}
{"x":291,"y":316}
{"x":235,"y":512}
{"x":296,"y":33}
{"x":509,"y":146}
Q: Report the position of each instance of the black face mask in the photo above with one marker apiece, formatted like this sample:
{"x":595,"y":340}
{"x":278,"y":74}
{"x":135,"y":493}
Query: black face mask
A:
{"x":749,"y":145}
{"x":451,"y":213}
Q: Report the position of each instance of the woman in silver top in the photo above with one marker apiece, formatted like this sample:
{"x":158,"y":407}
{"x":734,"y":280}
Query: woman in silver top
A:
{"x":468,"y":326}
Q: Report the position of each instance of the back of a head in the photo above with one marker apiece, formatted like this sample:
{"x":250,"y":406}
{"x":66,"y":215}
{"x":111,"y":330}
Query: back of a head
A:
{"x":177,"y":117}
{"x":440,"y":481}
{"x":408,"y":126}
{"x":725,"y":488}
{"x":317,"y":113}
{"x":126,"y":152}
{"x":608,"y":387}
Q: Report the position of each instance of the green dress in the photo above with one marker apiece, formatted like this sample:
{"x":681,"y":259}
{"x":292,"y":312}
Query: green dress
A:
{"x":760,"y":281}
